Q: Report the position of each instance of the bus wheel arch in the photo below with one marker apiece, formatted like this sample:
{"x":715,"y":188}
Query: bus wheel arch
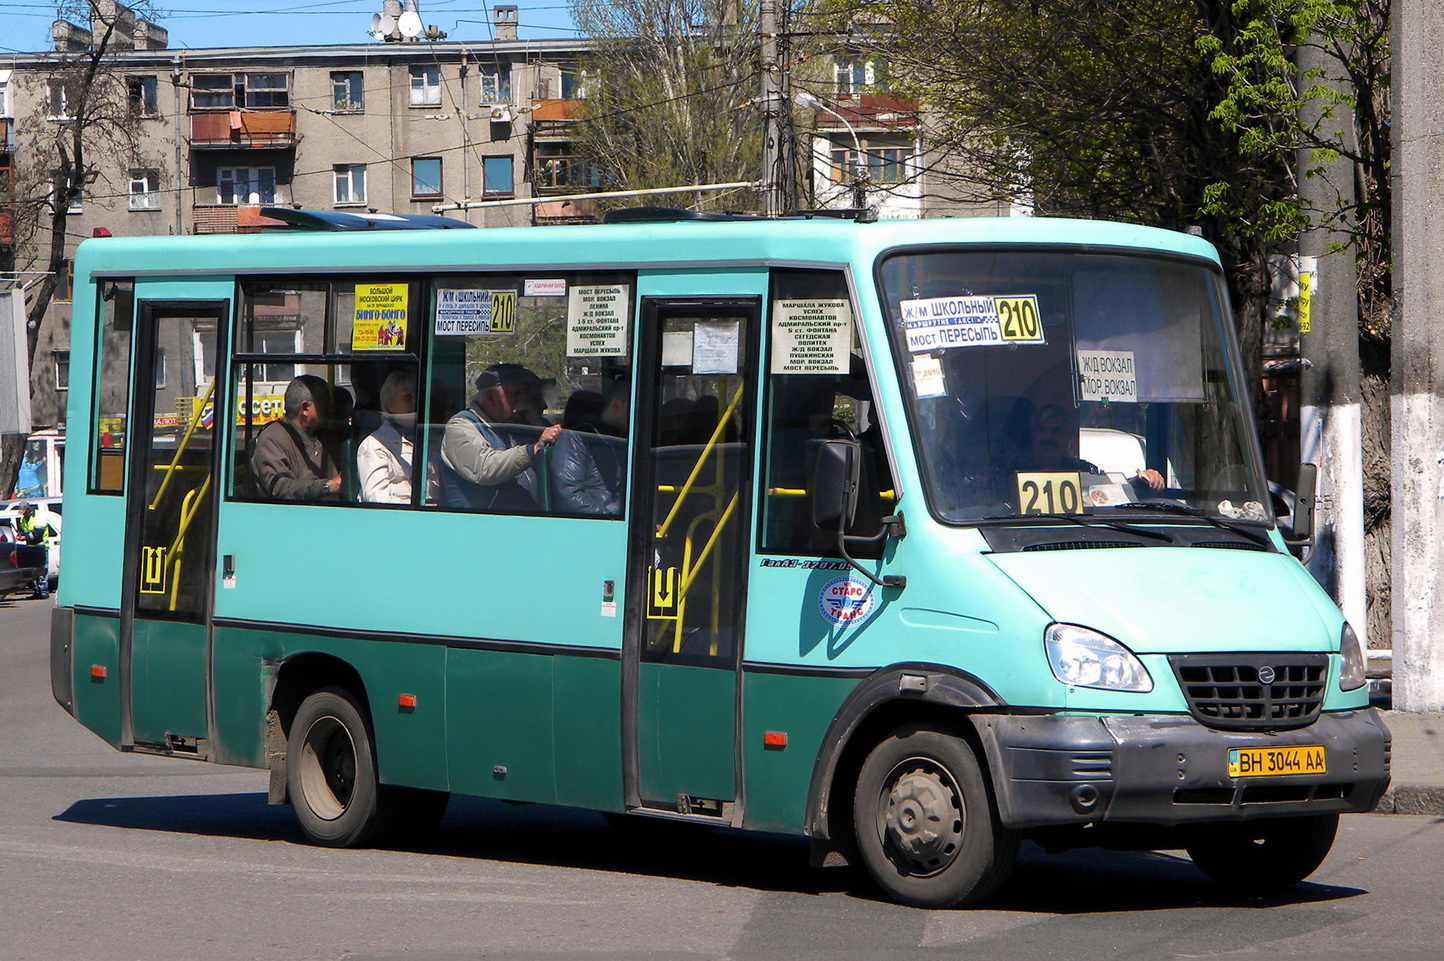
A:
{"x":876,"y":707}
{"x":295,"y":679}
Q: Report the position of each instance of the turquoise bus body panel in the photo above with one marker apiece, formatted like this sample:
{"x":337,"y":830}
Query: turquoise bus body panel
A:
{"x":95,"y":675}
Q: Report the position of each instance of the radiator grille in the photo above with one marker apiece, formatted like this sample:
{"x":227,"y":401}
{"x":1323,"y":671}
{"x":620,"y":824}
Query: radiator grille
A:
{"x":1252,"y":692}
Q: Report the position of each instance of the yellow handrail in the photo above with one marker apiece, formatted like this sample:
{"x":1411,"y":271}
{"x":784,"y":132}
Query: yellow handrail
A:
{"x":701,"y":459}
{"x":189,"y":506}
{"x":184,"y":442}
{"x":690,"y":570}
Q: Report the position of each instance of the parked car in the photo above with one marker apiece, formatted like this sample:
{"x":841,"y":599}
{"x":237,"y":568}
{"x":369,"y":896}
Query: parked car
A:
{"x":46,"y":509}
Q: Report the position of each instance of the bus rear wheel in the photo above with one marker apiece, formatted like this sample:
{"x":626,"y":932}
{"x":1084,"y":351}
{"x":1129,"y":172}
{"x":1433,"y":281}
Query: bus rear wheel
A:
{"x":331,"y":772}
{"x":925,"y":825}
{"x":1260,"y":857}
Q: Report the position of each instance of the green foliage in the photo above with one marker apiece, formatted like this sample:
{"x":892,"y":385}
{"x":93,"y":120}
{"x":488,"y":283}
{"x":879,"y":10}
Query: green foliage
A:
{"x":669,"y":91}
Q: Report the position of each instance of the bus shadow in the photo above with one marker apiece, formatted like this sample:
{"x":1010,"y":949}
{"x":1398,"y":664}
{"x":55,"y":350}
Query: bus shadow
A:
{"x":1073,"y":883}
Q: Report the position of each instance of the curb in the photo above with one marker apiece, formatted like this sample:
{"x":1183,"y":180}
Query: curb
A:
{"x":1412,"y":800}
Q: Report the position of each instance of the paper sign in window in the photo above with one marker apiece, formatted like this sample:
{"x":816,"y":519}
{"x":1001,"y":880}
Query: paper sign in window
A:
{"x":597,"y":321}
{"x":811,"y":337}
{"x":379,"y":321}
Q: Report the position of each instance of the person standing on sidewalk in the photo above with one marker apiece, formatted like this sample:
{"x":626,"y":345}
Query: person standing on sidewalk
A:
{"x":35,"y":534}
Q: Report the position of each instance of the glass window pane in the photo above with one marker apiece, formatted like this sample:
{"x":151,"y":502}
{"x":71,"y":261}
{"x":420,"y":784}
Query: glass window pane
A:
{"x":496,"y":174}
{"x":426,"y":177}
{"x":112,"y":386}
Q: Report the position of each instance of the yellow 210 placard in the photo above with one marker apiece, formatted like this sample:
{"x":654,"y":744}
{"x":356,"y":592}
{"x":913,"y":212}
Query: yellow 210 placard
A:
{"x":1019,"y":320}
{"x":1050,"y":492}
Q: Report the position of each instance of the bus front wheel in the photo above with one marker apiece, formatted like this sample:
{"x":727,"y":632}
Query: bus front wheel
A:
{"x":331,"y":772}
{"x":1259,"y":857}
{"x":925,"y":826}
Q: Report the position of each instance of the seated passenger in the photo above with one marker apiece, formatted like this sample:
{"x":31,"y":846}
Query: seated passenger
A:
{"x":589,"y":464}
{"x":385,"y":458}
{"x":483,"y":465}
{"x":289,"y":462}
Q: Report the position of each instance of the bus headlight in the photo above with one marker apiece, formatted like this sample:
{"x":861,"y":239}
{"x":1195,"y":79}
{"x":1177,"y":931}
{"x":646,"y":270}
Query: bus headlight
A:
{"x":1081,"y":657}
{"x":1352,"y":673}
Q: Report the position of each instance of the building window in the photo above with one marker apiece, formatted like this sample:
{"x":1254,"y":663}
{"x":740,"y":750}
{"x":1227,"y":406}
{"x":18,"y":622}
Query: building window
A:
{"x":426,"y":176}
{"x":350,"y":183}
{"x":496,"y":84}
{"x":879,"y":164}
{"x":160,"y":368}
{"x":246,"y":185}
{"x":57,"y":99}
{"x":347,"y":92}
{"x":571,"y":84}
{"x":213,"y":91}
{"x":854,"y":77}
{"x":426,"y":86}
{"x":62,"y":369}
{"x":142,"y":96}
{"x":228,"y":91}
{"x":5,"y":93}
{"x":496,"y":176}
{"x":59,"y":187}
{"x":145,"y":190}
{"x":558,"y":168}
{"x":65,"y":282}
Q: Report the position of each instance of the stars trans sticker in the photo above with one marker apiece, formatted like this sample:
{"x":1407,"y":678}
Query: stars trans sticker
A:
{"x":845,"y":600}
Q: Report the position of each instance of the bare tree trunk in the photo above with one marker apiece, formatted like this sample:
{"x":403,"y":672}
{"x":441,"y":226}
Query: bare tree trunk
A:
{"x":1374,"y":389}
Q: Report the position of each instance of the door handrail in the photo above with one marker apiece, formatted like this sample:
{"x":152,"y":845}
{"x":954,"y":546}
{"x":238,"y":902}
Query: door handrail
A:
{"x":181,"y":447}
{"x":701,"y":459}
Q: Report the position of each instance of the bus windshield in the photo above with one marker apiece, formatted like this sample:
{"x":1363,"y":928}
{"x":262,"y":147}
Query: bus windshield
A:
{"x":1045,"y":382}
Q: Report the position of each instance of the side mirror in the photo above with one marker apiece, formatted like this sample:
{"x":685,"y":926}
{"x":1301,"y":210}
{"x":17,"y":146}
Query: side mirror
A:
{"x":1303,"y":519}
{"x":836,"y":477}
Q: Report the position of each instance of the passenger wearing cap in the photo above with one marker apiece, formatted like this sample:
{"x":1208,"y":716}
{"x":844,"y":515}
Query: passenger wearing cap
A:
{"x":489,"y":451}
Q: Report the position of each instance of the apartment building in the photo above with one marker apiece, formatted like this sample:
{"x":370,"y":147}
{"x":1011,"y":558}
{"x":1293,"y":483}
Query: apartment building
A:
{"x":221,"y":133}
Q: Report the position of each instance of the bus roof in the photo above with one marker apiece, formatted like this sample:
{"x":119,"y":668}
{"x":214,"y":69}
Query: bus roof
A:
{"x":601,"y":246}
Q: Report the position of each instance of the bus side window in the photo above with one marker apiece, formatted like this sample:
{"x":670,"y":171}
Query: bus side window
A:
{"x":817,"y":387}
{"x":510,"y":382}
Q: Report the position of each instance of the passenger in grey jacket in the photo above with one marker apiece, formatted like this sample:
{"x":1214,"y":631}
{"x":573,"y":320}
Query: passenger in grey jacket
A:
{"x":488,"y":451}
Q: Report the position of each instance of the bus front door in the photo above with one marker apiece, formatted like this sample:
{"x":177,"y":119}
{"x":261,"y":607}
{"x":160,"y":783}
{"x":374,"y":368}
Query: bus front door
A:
{"x":696,"y":398}
{"x":170,"y":525}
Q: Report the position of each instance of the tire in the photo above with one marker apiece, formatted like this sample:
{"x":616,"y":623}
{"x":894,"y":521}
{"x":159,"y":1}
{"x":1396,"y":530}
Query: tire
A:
{"x":1261,"y":857}
{"x":925,"y":825}
{"x":331,"y":773}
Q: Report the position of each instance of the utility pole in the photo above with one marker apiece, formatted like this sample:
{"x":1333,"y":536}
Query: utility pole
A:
{"x":779,"y":182}
{"x":1331,"y":418}
{"x":1417,"y":375}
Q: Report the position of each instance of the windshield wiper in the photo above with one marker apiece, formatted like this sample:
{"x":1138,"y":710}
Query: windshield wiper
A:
{"x":1085,"y":520}
{"x":1165,"y":507}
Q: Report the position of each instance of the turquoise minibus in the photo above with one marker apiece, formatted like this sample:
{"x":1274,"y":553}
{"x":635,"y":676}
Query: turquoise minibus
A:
{"x":913,"y":538}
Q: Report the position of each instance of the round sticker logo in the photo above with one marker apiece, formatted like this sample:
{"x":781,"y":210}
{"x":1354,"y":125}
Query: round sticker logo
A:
{"x":844,"y":600}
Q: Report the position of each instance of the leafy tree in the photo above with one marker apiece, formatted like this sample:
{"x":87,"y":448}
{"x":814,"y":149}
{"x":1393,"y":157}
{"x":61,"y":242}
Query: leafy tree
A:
{"x":671,"y":86}
{"x":60,"y":161}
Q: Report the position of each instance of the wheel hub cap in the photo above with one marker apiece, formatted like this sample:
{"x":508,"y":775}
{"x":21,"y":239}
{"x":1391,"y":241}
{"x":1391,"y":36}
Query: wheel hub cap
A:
{"x":923,"y":821}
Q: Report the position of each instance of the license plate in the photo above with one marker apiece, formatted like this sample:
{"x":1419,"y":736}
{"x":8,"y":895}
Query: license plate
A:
{"x":1276,"y":761}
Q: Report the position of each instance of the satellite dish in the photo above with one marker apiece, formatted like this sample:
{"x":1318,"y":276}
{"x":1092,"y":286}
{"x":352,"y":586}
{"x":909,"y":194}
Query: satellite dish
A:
{"x":382,"y":25}
{"x":376,"y":30}
{"x":410,"y":24}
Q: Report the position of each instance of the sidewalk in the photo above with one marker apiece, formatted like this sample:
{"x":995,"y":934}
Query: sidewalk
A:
{"x":1418,"y":764}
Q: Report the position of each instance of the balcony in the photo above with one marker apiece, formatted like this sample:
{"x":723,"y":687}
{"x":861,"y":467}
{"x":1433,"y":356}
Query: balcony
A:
{"x":7,"y":133}
{"x":7,"y":224}
{"x":247,"y":129}
{"x":229,"y":219}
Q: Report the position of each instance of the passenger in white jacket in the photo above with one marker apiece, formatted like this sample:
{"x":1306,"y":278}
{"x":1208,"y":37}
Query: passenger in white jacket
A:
{"x":384,"y":461}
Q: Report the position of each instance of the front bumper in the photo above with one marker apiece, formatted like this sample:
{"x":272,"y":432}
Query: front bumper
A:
{"x":1052,"y":770}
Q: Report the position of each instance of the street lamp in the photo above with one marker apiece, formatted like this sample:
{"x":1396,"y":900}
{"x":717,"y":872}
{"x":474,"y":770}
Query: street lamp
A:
{"x":859,"y":179}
